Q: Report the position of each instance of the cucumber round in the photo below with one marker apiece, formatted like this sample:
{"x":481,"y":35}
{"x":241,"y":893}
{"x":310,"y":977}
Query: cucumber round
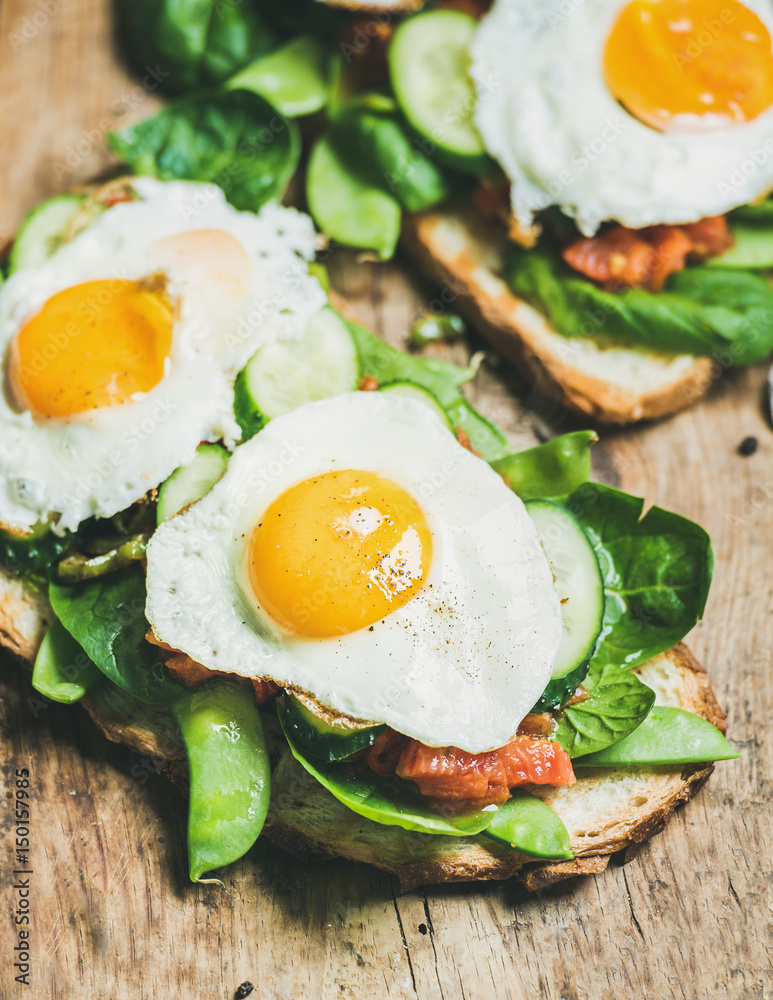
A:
{"x":43,"y":229}
{"x":580,"y":586}
{"x":322,"y":740}
{"x":419,"y":393}
{"x":191,"y":482}
{"x":288,"y":373}
{"x":429,"y":69}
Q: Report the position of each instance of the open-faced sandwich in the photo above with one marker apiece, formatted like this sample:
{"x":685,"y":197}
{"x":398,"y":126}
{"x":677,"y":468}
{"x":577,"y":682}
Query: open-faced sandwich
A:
{"x":250,"y":535}
{"x":618,"y":253}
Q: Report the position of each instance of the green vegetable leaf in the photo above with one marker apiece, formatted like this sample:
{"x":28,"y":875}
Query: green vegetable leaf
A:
{"x":370,"y":134}
{"x":657,"y":572}
{"x":107,"y":617}
{"x":702,"y":310}
{"x":346,"y":206}
{"x":235,"y":139}
{"x":62,"y":670}
{"x":759,"y":215}
{"x":552,"y":470}
{"x":667,"y":736}
{"x":618,"y":703}
{"x":389,"y":364}
{"x":387,"y":800}
{"x":185,"y":44}
{"x":530,"y":826}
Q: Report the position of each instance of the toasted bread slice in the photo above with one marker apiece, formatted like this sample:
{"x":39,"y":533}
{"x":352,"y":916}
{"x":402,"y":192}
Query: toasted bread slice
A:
{"x":463,"y":250}
{"x":606,"y":811}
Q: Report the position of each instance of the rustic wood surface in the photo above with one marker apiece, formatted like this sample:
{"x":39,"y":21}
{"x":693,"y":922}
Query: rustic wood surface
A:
{"x":113,"y":914}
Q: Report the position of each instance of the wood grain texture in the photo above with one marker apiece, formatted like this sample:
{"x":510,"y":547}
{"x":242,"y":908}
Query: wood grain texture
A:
{"x":113,"y":914}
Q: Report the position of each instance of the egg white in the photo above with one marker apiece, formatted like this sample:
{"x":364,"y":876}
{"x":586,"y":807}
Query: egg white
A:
{"x":460,"y":664}
{"x":99,"y":462}
{"x":545,"y":113}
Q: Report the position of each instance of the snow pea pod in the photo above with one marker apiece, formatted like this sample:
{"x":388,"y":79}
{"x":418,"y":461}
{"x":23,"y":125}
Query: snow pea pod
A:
{"x":230,"y":774}
{"x":531,"y":827}
{"x":63,"y":672}
{"x":667,"y":736}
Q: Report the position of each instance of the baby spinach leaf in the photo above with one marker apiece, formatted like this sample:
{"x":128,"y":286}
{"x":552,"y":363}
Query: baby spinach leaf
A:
{"x":107,"y":617}
{"x":194,"y":43}
{"x":62,"y":670}
{"x":373,"y":138}
{"x":667,"y":736}
{"x":551,"y":470}
{"x":387,"y":800}
{"x":530,"y":826}
{"x":702,"y":310}
{"x":389,"y":364}
{"x":657,"y":572}
{"x":234,"y":139}
{"x":618,"y":703}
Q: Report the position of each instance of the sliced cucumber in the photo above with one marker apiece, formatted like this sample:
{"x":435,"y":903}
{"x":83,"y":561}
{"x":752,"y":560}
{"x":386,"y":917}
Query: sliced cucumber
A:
{"x":752,"y":250}
{"x":289,"y":373}
{"x":323,"y":740}
{"x":418,"y":392}
{"x":42,"y":231}
{"x":581,"y":588}
{"x":428,"y":66}
{"x":191,"y":482}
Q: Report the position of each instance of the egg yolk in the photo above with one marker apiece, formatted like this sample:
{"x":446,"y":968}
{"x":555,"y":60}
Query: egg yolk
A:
{"x":338,"y":552}
{"x":682,"y":65}
{"x":93,"y":345}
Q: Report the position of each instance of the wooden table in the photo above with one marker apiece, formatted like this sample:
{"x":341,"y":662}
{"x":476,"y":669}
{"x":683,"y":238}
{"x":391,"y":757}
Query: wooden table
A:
{"x":113,"y":913}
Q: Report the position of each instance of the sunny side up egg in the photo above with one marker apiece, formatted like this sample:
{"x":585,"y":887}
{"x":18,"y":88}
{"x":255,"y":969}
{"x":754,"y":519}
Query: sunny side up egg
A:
{"x":638,"y":111}
{"x":355,"y":551}
{"x":122,"y":348}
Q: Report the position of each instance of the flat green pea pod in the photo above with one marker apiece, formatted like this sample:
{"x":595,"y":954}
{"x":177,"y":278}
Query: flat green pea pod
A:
{"x":667,"y":736}
{"x":348,"y":208}
{"x":230,"y":774}
{"x":294,"y":78}
{"x":62,"y":670}
{"x":531,"y":827}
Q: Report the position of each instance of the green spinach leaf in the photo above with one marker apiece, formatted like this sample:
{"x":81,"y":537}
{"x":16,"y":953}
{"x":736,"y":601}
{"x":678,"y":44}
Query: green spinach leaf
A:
{"x":373,"y":138}
{"x":234,"y":139}
{"x":186,"y":44}
{"x":387,"y":800}
{"x":657,"y":572}
{"x":389,"y":364}
{"x":107,"y":617}
{"x":552,"y":470}
{"x":617,"y":705}
{"x":667,"y":736}
{"x":702,"y":310}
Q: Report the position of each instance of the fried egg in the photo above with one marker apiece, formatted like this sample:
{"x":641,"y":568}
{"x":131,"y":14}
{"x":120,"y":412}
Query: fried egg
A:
{"x":122,"y":348}
{"x":638,"y":111}
{"x":356,"y":552}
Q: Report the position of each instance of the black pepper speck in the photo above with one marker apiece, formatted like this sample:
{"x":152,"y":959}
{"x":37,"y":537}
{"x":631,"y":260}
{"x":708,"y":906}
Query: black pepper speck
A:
{"x":748,"y":446}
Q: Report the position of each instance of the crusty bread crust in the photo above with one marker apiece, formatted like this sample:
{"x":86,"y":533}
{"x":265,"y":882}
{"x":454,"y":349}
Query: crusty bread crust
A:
{"x":607,"y":811}
{"x":463,"y":251}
